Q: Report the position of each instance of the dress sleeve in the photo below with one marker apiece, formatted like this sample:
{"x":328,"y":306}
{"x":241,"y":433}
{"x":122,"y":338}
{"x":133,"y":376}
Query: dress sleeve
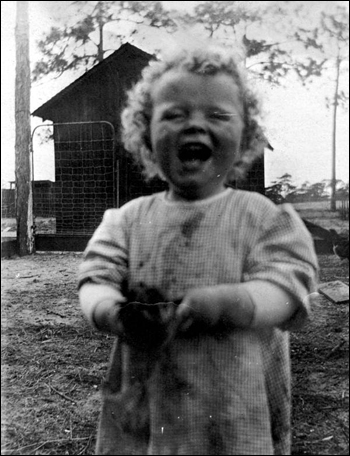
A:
{"x":283,"y":254}
{"x":105,"y":259}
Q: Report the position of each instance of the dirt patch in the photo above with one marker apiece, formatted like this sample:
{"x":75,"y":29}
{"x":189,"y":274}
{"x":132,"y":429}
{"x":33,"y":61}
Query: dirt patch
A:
{"x":53,"y":364}
{"x":320,"y":365}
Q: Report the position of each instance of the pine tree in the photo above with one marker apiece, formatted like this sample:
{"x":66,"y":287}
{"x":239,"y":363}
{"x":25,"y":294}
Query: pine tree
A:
{"x":24,"y":213}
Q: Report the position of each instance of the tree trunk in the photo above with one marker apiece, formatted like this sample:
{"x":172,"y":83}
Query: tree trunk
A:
{"x":24,"y":212}
{"x":334,"y":138}
{"x":100,"y":51}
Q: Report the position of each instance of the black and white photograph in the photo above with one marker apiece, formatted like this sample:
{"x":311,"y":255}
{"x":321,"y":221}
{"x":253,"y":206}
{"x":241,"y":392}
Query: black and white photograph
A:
{"x":175,"y":228}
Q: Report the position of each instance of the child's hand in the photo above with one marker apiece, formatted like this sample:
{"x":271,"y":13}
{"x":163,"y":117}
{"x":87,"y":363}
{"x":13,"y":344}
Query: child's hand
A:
{"x":199,"y":305}
{"x":224,"y":306}
{"x":106,"y":316}
{"x":147,"y":326}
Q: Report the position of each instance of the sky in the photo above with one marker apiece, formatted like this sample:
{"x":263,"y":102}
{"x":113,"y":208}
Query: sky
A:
{"x":296,"y":120}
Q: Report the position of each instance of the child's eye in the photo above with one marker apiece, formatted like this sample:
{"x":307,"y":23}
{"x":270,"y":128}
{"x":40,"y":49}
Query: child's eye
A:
{"x":173,"y":115}
{"x":221,"y":115}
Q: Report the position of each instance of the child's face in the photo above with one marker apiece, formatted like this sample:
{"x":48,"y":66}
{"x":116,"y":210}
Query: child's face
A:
{"x":196,"y":130}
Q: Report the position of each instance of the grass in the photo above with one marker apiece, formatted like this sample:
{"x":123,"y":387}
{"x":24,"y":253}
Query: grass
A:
{"x":53,"y":364}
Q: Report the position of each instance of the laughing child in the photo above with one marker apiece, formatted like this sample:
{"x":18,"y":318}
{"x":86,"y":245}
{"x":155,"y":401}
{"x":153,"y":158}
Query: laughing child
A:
{"x":201,"y":283}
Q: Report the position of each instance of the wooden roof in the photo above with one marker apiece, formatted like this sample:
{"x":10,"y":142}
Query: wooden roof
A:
{"x":126,"y":50}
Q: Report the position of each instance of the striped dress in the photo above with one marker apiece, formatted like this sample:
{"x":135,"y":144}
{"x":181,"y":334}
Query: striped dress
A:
{"x":217,"y":393}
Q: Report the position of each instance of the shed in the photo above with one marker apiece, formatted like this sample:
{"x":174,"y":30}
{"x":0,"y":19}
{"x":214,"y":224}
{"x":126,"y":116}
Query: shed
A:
{"x":93,"y":172}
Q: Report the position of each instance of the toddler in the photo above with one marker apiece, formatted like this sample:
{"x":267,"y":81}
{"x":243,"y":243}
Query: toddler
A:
{"x":200,"y":283}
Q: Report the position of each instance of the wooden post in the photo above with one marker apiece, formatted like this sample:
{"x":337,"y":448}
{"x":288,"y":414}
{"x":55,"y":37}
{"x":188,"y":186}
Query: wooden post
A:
{"x":24,"y":210}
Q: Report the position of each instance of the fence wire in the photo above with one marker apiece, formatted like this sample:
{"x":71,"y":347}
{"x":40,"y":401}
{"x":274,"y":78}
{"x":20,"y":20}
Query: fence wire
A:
{"x":84,"y":176}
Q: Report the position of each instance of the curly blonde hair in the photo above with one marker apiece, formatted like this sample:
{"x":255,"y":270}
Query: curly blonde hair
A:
{"x":136,"y":117}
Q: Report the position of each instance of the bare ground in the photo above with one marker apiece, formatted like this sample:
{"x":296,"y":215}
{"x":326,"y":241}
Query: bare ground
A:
{"x":53,"y":364}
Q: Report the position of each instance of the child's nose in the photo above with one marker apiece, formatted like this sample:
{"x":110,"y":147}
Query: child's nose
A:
{"x":196,"y":122}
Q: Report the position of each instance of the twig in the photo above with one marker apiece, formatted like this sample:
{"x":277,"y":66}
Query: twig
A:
{"x":325,"y":439}
{"x":87,"y":445}
{"x":61,"y":394}
{"x":70,"y":427}
{"x":334,"y":349}
{"x":55,"y":313}
{"x":45,"y":443}
{"x":25,"y":277}
{"x":297,"y":383}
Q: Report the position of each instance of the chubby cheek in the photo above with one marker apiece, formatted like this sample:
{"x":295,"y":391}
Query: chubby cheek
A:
{"x":163,"y":144}
{"x":228,"y":152}
{"x":158,"y":137}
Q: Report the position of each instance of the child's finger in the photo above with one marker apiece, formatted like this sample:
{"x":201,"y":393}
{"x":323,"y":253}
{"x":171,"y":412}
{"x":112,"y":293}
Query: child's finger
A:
{"x":184,"y":317}
{"x":183,"y":310}
{"x":185,"y":325}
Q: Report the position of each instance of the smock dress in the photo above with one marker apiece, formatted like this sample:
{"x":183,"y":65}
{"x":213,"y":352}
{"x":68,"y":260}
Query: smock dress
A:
{"x":224,"y":393}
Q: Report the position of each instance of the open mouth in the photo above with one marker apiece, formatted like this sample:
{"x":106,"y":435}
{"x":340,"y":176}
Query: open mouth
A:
{"x":192,"y":152}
